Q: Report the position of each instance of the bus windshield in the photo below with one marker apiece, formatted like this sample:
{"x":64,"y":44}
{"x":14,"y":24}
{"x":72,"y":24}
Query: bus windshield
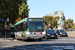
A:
{"x":36,"y":26}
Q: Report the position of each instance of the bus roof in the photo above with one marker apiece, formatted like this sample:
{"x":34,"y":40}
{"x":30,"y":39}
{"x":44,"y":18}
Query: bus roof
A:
{"x":24,"y":20}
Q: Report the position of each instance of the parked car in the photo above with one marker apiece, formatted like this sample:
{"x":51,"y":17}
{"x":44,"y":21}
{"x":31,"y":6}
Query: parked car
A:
{"x":51,"y":34}
{"x":72,"y":30}
{"x":62,"y":32}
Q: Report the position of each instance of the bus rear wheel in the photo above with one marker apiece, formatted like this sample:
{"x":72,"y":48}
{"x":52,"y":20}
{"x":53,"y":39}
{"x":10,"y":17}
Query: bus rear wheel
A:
{"x":39,"y":39}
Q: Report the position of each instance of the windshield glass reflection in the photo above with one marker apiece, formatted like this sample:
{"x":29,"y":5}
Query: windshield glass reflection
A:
{"x":36,"y":26}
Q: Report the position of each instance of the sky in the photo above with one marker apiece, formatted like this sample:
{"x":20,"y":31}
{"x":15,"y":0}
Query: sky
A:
{"x":39,"y":8}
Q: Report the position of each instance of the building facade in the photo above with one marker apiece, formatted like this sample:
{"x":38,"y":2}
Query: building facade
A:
{"x":56,"y":13}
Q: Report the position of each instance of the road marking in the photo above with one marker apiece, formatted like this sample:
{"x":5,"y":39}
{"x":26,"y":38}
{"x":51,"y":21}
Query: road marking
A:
{"x":15,"y":40}
{"x":57,"y":49}
{"x":65,"y":39}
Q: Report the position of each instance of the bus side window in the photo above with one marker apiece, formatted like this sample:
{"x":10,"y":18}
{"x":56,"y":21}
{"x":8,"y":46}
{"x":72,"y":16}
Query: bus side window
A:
{"x":24,"y":23}
{"x":14,"y":29}
{"x":17,"y":28}
{"x":26,"y":26}
{"x":22,"y":26}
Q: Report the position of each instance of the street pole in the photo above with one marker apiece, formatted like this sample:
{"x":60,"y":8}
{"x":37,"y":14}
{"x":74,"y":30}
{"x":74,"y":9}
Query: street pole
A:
{"x":5,"y":29}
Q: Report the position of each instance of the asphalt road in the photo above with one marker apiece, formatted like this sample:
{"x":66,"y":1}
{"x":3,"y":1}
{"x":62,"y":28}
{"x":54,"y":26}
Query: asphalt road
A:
{"x":62,"y":43}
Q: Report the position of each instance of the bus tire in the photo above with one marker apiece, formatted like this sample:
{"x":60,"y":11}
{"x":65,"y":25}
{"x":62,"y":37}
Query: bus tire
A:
{"x":46,"y":37}
{"x":16,"y":37}
{"x":66,"y":35}
{"x":39,"y":39}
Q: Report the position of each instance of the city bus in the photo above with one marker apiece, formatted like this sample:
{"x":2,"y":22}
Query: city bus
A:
{"x":30,"y":28}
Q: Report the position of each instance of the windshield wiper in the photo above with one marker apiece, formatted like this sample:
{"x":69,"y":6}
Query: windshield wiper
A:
{"x":32,"y":30}
{"x":40,"y":29}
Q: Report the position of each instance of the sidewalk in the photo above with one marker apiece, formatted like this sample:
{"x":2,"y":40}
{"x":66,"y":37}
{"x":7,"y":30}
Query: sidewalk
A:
{"x":7,"y":39}
{"x":71,"y":33}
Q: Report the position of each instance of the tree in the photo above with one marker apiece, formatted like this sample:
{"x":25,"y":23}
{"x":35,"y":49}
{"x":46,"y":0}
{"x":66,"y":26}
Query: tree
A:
{"x":18,"y":19}
{"x":23,"y":9}
{"x":54,"y":21}
{"x":69,"y":22}
{"x":73,"y":27}
{"x":11,"y":8}
{"x":48,"y":20}
{"x":65,"y":26}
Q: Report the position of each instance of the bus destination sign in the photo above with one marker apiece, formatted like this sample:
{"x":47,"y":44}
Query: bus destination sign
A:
{"x":35,"y":19}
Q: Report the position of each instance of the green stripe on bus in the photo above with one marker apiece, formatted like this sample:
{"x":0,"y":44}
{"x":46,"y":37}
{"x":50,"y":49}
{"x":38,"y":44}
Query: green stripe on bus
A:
{"x":24,"y":33}
{"x":25,"y":20}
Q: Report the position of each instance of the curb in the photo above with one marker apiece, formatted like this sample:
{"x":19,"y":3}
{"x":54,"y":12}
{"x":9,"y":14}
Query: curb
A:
{"x":2,"y":39}
{"x":8,"y":40}
{"x":71,"y":36}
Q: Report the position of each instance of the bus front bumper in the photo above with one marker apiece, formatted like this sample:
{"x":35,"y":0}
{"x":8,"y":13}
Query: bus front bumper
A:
{"x":35,"y":37}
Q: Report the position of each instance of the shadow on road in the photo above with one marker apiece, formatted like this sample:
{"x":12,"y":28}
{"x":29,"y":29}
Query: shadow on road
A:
{"x":30,"y":40}
{"x":35,"y":40}
{"x":43,"y":46}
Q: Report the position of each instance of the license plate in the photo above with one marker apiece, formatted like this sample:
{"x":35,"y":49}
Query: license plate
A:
{"x":52,"y":36}
{"x":37,"y":33}
{"x":36,"y":37}
{"x":63,"y":34}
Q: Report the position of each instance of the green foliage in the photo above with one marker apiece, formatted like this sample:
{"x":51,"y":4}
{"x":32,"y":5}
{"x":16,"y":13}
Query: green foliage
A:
{"x":11,"y":8}
{"x":54,"y":21}
{"x":18,"y":19}
{"x":69,"y":22}
{"x":73,"y":27}
{"x":48,"y":19}
{"x":23,"y":10}
{"x":65,"y":24}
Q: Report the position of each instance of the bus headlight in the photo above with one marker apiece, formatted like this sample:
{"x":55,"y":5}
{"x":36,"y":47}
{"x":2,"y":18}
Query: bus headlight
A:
{"x":44,"y":32}
{"x":27,"y":32}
